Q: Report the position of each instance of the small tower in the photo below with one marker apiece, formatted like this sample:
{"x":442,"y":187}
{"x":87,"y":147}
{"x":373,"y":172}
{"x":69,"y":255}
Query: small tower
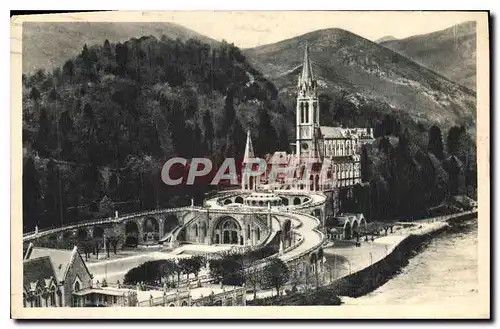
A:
{"x":307,"y":114}
{"x":248,"y":181}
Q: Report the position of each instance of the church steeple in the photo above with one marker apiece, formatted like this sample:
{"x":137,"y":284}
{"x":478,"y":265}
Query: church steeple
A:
{"x":248,"y":149}
{"x":307,"y":73}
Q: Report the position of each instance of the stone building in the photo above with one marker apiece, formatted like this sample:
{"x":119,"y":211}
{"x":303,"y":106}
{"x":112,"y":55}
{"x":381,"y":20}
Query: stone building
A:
{"x":60,"y":278}
{"x":329,"y":156}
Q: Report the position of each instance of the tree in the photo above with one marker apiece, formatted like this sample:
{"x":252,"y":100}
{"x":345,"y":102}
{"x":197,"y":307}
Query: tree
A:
{"x":121,"y":54}
{"x":106,"y":49}
{"x":67,"y":136}
{"x":267,"y":138}
{"x":69,"y":70}
{"x":195,"y":264}
{"x":114,"y":240}
{"x":179,"y":269}
{"x":365,"y":164}
{"x":276,"y":274}
{"x":31,"y":194}
{"x":456,"y":140}
{"x":86,"y":57}
{"x":167,"y":269}
{"x":436,"y":142}
{"x":53,"y":196}
{"x":106,"y":207}
{"x":35,"y":95}
{"x":253,"y":276}
{"x":283,"y":142}
{"x":208,"y":129}
{"x":107,"y":243}
{"x":44,"y":140}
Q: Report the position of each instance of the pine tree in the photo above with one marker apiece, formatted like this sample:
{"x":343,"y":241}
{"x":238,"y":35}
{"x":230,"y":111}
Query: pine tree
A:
{"x":67,"y":135}
{"x":31,"y":195}
{"x":44,"y":140}
{"x":69,"y":70}
{"x":208,"y":129}
{"x":436,"y":142}
{"x":106,"y":50}
{"x":53,"y":196}
{"x":229,"y":114}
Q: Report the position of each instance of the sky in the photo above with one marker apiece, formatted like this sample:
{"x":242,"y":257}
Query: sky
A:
{"x":250,"y":29}
{"x":254,"y":28}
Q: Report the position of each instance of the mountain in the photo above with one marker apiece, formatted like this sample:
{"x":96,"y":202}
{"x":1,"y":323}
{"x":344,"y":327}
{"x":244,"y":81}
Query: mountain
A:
{"x":48,"y":45}
{"x":364,"y":81}
{"x":450,"y":52}
{"x":386,"y":38}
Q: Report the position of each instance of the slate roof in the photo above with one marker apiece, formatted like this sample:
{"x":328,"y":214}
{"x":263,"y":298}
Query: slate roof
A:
{"x":37,"y":270}
{"x":60,"y":259}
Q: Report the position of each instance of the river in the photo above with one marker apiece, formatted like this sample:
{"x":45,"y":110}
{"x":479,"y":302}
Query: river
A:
{"x":445,"y":269}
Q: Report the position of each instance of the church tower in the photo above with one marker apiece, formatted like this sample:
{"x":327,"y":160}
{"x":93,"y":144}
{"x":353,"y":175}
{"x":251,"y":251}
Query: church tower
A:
{"x":307,"y":113}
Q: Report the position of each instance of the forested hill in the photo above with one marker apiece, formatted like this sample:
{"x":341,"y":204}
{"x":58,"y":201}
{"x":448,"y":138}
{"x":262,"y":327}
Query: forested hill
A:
{"x":49,"y":44}
{"x":98,"y":129}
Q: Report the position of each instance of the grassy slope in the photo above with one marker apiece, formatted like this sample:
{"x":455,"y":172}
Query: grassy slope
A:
{"x":450,"y":52}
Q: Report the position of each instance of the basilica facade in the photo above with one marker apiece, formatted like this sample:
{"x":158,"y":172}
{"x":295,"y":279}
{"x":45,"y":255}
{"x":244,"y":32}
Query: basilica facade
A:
{"x":324,"y":157}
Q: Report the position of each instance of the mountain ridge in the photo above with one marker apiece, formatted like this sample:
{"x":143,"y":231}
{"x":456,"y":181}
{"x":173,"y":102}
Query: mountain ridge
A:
{"x":450,"y":52}
{"x":369,"y":74}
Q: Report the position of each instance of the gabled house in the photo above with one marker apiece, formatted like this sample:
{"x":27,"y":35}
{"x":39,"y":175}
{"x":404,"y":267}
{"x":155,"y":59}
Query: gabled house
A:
{"x":63,"y":269}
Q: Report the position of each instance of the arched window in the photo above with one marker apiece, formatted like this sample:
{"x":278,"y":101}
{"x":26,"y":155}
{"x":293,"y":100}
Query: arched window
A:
{"x":301,"y":112}
{"x":196,"y":229}
{"x":248,"y":231}
{"x":52,"y":298}
{"x":315,"y":111}
{"x":258,"y":233}
{"x":204,"y":229}
{"x":77,"y":286}
{"x":307,"y":113}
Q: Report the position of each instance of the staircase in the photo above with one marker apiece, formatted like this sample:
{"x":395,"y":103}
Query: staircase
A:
{"x":172,"y":236}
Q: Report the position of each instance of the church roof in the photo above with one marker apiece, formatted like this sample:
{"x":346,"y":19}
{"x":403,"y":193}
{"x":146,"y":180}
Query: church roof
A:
{"x":61,"y":259}
{"x":332,"y":132}
{"x":37,"y":270}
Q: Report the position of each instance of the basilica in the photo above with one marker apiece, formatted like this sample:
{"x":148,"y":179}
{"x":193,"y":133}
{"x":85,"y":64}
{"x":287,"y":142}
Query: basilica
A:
{"x":325,"y":157}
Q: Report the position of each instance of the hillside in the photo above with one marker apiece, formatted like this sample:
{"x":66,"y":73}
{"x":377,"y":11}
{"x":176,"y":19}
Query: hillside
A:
{"x":49,"y":45}
{"x":364,"y":80}
{"x":386,"y":38}
{"x":450,"y":52}
{"x":98,"y":129}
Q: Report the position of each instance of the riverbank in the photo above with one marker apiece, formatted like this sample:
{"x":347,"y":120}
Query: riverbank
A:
{"x":371,"y":267}
{"x":445,"y":271}
{"x":358,"y":271}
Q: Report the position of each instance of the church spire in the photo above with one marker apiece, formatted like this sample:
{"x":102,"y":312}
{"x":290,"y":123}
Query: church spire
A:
{"x":307,"y":73}
{"x":248,"y":148}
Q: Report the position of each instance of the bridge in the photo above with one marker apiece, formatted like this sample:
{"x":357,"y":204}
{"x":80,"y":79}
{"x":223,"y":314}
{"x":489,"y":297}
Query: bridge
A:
{"x":295,"y":220}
